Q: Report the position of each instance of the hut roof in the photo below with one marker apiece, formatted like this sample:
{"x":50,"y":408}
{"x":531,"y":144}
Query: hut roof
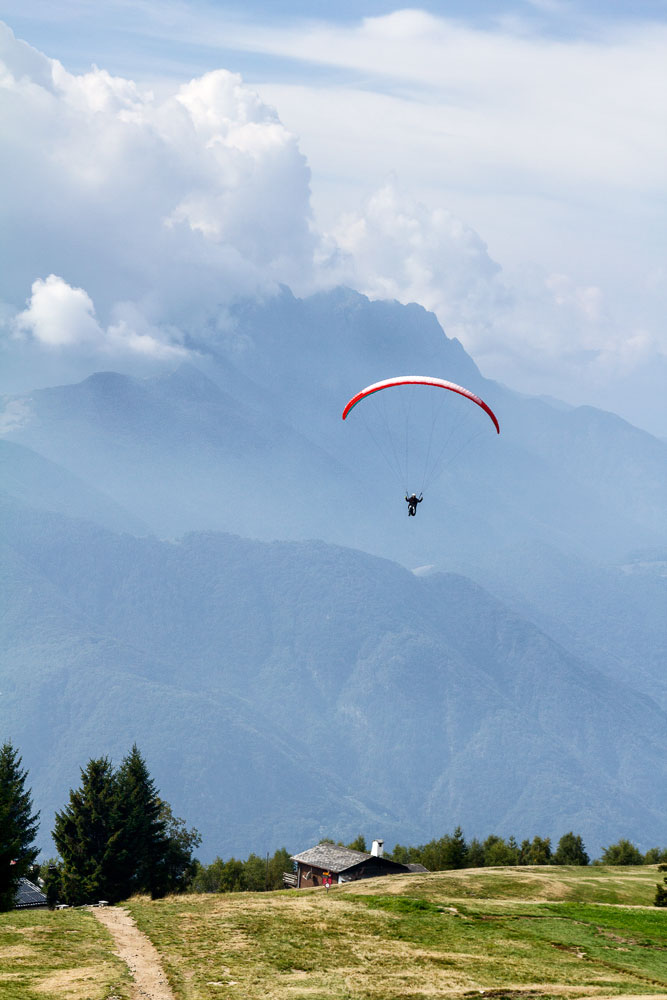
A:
{"x":331,"y":857}
{"x":28,"y":895}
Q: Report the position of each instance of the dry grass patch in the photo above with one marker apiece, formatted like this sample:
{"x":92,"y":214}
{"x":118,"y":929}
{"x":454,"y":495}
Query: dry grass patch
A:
{"x":61,"y":955}
{"x":538,"y":883}
{"x":415,"y":936}
{"x":76,"y":984}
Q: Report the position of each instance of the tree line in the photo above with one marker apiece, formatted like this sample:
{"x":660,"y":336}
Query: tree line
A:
{"x":453,"y":851}
{"x":117,"y":837}
{"x":257,"y":874}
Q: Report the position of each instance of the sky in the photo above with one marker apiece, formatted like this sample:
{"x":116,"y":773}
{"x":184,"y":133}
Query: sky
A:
{"x":502,"y":164}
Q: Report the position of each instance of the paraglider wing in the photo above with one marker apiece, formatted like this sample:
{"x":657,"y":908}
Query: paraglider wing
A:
{"x":420,"y":380}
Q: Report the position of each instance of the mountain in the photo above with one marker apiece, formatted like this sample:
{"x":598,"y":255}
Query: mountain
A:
{"x":613,"y":616}
{"x":547,"y":515}
{"x":162,"y":584}
{"x":290,"y":690}
{"x":252,"y":442}
{"x":38,"y":482}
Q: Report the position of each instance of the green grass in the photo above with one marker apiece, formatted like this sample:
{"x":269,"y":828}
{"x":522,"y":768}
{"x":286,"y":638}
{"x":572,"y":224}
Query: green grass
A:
{"x":61,"y":955}
{"x":511,"y":933}
{"x":622,"y":885}
{"x":495,"y":934}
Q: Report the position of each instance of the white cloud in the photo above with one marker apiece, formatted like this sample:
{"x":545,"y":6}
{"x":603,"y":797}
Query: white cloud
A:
{"x":61,"y":317}
{"x":544,"y":155}
{"x":398,"y":248}
{"x":543,"y":330}
{"x":172,"y":207}
{"x":565,"y":108}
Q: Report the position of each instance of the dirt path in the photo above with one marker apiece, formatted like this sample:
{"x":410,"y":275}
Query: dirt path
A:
{"x":132,"y":945}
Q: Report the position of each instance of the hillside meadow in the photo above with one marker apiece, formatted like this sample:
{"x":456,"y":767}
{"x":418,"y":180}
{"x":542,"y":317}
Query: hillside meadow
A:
{"x":510,"y":933}
{"x":59,"y":955}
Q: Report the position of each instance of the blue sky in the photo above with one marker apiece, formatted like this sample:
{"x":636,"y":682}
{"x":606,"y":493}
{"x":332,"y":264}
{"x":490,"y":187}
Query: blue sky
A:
{"x":502,"y":164}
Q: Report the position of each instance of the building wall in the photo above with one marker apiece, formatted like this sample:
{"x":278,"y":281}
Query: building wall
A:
{"x":310,"y":876}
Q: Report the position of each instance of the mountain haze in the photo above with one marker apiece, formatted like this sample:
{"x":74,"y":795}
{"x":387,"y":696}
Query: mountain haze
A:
{"x":282,"y":691}
{"x":252,"y":442}
{"x":162,"y":584}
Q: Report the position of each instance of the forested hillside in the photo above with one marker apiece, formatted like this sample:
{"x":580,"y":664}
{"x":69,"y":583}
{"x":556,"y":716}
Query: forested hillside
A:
{"x":286,"y":691}
{"x":211,"y":563}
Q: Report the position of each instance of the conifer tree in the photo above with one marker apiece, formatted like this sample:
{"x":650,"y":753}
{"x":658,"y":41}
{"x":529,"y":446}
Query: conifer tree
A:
{"x":143,"y":840}
{"x":570,"y":851}
{"x":87,"y":837}
{"x":475,"y":855}
{"x":458,"y":849}
{"x":661,"y":890}
{"x":535,"y":852}
{"x":18,"y":826}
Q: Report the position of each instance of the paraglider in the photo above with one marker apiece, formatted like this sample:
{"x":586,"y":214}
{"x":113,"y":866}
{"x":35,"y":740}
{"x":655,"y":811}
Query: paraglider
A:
{"x":415,"y":431}
{"x":412,"y":502}
{"x":420,"y":380}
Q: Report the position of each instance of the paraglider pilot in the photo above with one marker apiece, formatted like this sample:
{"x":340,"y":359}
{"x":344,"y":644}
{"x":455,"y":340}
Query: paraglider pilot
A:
{"x":412,"y":502}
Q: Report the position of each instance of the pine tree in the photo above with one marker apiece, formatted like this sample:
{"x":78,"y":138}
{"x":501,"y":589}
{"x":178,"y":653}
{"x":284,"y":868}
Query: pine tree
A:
{"x":117,"y":837}
{"x":570,"y":851}
{"x":661,"y":890}
{"x":18,"y":826}
{"x":86,"y":834}
{"x":537,"y":852}
{"x":143,"y":841}
{"x":458,"y":849}
{"x":475,"y":857}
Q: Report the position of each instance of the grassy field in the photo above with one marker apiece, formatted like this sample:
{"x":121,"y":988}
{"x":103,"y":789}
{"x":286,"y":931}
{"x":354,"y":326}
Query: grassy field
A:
{"x":64,"y":955}
{"x":501,"y":933}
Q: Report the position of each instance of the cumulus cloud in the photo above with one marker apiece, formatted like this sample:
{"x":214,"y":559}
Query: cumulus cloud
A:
{"x":166,"y":209}
{"x":547,"y":330}
{"x":59,"y":315}
{"x":159,"y":211}
{"x":63,"y":317}
{"x":398,"y":248}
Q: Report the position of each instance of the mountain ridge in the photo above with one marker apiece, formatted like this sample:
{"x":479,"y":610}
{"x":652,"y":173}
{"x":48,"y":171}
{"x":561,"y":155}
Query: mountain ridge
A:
{"x":257,"y":628}
{"x":311,"y":667}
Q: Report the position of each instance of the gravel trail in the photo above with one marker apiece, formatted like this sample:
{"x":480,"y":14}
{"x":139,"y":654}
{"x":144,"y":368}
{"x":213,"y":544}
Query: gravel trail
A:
{"x":141,"y":957}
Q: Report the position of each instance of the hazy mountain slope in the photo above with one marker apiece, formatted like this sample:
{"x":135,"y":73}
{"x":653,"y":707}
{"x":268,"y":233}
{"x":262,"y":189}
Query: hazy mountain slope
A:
{"x":613,"y":616}
{"x":543,"y":515}
{"x":259,"y":447}
{"x":70,"y":690}
{"x":290,"y":690}
{"x":38,"y":482}
{"x":586,"y":475}
{"x":286,"y":690}
{"x":182,"y":453}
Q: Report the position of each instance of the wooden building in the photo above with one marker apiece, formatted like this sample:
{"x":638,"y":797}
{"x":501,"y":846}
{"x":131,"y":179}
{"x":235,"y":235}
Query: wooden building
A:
{"x":334,"y":864}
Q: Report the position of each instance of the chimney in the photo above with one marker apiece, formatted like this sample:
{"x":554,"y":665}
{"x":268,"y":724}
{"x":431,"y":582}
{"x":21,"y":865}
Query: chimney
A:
{"x":377,"y":850}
